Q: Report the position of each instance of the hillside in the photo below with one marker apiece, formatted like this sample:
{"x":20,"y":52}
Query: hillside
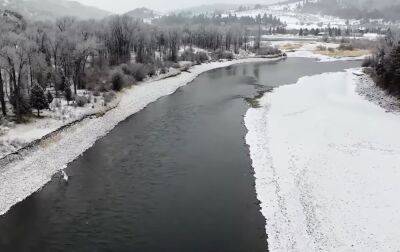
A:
{"x":350,"y":9}
{"x":51,"y":9}
{"x":142,"y":13}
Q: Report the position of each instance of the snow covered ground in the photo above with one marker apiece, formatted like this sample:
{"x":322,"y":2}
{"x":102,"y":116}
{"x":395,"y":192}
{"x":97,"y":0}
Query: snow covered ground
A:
{"x":24,"y":176}
{"x":294,"y":19}
{"x":15,"y":136}
{"x":327,"y":165}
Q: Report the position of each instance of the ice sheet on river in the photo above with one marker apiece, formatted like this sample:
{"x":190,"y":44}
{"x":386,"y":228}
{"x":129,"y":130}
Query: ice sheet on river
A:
{"x":327,"y":166}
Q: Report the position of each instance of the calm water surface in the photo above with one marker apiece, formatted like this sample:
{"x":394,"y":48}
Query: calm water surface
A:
{"x":174,"y":177}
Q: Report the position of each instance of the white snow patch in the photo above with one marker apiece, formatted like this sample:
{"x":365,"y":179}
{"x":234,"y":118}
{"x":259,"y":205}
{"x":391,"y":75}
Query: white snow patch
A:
{"x":327,"y":166}
{"x":21,"y":178}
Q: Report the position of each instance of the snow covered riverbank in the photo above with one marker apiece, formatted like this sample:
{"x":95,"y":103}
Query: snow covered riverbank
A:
{"x":327,"y":167}
{"x":21,"y":178}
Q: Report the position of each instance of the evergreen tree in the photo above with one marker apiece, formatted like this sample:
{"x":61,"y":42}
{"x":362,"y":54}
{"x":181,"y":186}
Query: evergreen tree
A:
{"x":38,"y":99}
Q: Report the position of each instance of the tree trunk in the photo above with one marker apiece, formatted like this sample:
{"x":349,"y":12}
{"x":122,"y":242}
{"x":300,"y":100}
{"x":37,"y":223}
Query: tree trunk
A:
{"x":2,"y":100}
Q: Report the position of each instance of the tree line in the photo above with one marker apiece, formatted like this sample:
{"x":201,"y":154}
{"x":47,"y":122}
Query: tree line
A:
{"x":68,"y":54}
{"x":352,"y":9}
{"x":385,"y":64}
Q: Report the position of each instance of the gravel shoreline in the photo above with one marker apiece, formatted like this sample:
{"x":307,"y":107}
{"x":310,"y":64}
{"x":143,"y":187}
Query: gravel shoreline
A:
{"x":367,"y":88}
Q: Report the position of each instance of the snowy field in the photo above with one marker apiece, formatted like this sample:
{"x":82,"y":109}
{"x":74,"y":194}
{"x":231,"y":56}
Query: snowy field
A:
{"x":309,"y":49}
{"x":294,"y":19}
{"x":21,"y":178}
{"x":327,"y":165}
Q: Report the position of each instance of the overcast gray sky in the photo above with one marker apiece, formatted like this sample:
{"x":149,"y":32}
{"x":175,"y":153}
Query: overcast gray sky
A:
{"x":120,"y":6}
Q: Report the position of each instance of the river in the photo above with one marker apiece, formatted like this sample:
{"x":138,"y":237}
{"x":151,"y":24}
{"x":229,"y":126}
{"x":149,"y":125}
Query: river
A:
{"x":176,"y":176}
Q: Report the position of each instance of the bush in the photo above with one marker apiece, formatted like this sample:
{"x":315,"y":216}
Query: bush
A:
{"x":386,"y":68}
{"x":363,"y":44}
{"x":229,"y":56}
{"x":201,"y":57}
{"x":126,"y":69}
{"x":269,"y":50}
{"x":24,"y":104}
{"x":103,"y":87}
{"x":321,"y":48}
{"x":151,"y":70}
{"x":219,"y":54}
{"x":163,"y":70}
{"x":185,"y":66}
{"x":81,"y":101}
{"x":188,"y":55}
{"x":138,"y":71}
{"x":344,"y":41}
{"x":95,"y":76}
{"x":368,"y":62}
{"x":108,"y":97}
{"x":346,"y":47}
{"x":176,"y":65}
{"x":117,"y":81}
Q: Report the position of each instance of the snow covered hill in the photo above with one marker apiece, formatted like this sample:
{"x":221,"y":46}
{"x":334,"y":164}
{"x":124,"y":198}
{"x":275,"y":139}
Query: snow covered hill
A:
{"x":51,"y":9}
{"x":144,"y":14}
{"x":296,"y":17}
{"x":289,"y":14}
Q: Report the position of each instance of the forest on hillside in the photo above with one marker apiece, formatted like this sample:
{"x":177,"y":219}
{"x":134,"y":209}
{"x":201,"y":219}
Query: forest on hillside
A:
{"x":349,"y":9}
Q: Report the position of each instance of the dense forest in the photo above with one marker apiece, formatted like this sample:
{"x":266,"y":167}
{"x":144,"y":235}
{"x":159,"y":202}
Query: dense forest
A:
{"x":40,"y":60}
{"x":217,"y":19}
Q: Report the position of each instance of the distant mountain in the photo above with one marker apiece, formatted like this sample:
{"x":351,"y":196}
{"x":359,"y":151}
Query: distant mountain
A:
{"x":11,"y":20}
{"x":143,"y":13}
{"x":52,"y":9}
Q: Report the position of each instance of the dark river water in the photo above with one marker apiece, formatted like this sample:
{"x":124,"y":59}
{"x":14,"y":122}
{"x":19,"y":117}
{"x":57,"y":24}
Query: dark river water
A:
{"x":174,"y":177}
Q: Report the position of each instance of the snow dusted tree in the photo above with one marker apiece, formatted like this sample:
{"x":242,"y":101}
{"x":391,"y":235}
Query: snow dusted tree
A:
{"x":2,"y":95}
{"x":70,"y":54}
{"x":118,"y":39}
{"x":38,"y":99}
{"x":173,"y":42}
{"x":16,"y":52}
